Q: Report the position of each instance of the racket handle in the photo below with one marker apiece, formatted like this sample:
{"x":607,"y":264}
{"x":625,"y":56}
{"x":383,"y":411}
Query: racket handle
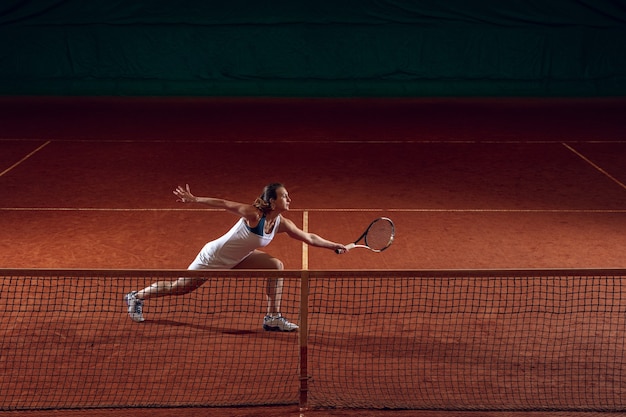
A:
{"x":348,"y":247}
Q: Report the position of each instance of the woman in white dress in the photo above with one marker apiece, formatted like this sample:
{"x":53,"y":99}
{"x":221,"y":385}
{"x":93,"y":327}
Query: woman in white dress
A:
{"x":239,"y":249}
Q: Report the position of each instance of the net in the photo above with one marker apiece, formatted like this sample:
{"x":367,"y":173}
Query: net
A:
{"x":551,"y":340}
{"x":67,"y":342}
{"x":449,"y":340}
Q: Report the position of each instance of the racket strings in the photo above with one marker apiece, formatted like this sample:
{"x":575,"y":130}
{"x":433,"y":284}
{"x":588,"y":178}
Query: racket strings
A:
{"x":380,"y":234}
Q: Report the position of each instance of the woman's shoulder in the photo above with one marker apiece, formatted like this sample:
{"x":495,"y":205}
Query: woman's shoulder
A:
{"x":284,"y":224}
{"x":253,"y":215}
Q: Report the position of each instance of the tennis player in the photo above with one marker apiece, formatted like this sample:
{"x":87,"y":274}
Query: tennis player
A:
{"x":239,"y":249}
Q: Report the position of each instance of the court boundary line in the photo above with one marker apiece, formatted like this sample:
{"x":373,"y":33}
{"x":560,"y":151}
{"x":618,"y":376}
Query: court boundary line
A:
{"x":15,"y":165}
{"x":305,"y":247}
{"x":321,"y":142}
{"x":596,"y":166}
{"x":318,"y":210}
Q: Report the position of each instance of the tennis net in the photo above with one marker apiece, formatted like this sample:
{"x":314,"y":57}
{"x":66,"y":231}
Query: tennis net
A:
{"x":431,"y":340}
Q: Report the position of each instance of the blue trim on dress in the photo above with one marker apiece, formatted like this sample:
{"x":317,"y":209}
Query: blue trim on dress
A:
{"x":258,"y":229}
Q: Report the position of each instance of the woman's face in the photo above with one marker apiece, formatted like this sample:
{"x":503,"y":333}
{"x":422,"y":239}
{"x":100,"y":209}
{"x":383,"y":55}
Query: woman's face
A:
{"x":282,"y":200}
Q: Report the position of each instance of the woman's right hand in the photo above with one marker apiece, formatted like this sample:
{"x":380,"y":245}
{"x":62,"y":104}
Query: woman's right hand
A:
{"x":184,"y":194}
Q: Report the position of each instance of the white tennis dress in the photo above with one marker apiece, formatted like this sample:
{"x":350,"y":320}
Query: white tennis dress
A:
{"x":234,"y":246}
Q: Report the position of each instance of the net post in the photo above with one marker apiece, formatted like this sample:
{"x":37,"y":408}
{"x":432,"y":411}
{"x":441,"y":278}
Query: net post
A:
{"x":303,"y":338}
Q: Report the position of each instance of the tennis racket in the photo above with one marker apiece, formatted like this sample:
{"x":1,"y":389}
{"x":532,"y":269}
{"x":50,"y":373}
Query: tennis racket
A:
{"x":377,"y":237}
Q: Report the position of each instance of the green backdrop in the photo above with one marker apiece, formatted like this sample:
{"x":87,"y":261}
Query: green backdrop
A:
{"x":317,"y":48}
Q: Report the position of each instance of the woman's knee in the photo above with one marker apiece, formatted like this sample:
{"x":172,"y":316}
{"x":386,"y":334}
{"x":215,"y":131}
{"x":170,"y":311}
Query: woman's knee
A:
{"x":260,"y":260}
{"x":277,"y":263}
{"x":271,"y":263}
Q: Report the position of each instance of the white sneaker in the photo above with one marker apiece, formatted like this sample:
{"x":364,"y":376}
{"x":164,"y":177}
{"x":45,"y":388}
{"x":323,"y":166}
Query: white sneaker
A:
{"x":135,"y":306}
{"x":278,"y":324}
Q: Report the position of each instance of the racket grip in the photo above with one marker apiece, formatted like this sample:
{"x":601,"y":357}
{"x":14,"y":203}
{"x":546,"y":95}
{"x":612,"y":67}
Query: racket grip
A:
{"x":348,"y":247}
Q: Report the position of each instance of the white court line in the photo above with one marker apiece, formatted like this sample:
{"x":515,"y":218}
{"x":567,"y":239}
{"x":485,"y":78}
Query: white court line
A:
{"x":323,"y":210}
{"x":468,"y":210}
{"x":320,"y":141}
{"x":305,"y":247}
{"x":23,"y":159}
{"x":584,"y":158}
{"x":103,"y":209}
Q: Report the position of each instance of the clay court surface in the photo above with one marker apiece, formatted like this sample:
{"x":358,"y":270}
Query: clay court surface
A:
{"x":470,"y":184}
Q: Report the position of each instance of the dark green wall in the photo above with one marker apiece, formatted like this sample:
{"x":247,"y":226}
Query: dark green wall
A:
{"x":322,"y":48}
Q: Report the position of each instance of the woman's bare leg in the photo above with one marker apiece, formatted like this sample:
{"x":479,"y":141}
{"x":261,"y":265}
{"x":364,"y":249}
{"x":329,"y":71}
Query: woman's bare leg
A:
{"x":273,"y":286}
{"x":178,"y":287}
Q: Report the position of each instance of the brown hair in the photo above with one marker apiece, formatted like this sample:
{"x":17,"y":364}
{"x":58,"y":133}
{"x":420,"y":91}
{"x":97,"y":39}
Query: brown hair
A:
{"x":263,"y":202}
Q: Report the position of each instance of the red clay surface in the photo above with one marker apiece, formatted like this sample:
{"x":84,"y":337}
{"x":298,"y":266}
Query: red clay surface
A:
{"x":470,"y":184}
